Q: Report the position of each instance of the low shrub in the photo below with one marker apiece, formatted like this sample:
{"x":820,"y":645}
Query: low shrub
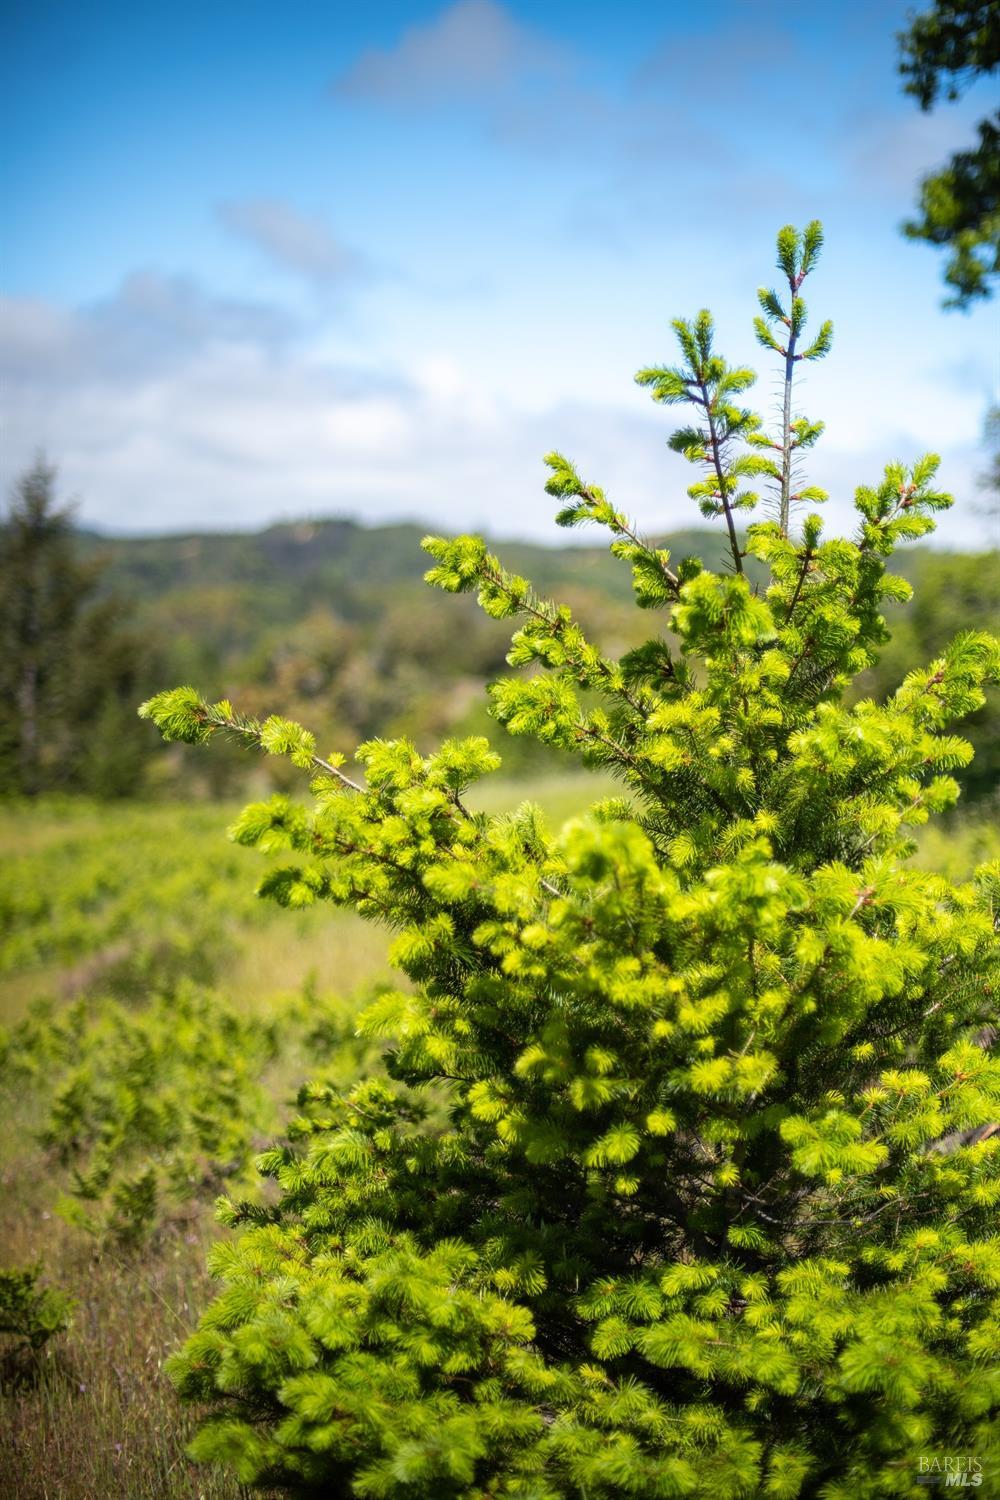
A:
{"x":29,"y":1314}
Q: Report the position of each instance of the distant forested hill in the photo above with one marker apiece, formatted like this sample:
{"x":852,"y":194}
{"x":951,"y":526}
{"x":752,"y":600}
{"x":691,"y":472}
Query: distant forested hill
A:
{"x":320,"y":560}
{"x":329,"y":621}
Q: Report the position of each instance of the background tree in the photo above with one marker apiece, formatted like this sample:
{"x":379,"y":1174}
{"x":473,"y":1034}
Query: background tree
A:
{"x":956,"y":590}
{"x":944,"y":51}
{"x":70,"y":662}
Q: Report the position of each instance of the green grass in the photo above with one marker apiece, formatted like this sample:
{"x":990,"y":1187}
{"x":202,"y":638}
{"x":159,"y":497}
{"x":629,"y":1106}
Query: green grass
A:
{"x":121,"y":897}
{"x":124,"y":897}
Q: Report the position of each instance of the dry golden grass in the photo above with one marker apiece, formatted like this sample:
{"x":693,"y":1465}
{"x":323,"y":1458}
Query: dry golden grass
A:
{"x":92,"y":1417}
{"x":338,"y":952}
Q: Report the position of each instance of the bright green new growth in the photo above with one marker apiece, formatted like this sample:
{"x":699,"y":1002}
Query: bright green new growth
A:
{"x":707,"y":382}
{"x":683,"y":1181}
{"x":148,"y":1107}
{"x":154,"y":1107}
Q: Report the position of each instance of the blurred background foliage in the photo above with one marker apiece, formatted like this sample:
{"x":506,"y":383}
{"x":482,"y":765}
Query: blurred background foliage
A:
{"x":330,"y":623}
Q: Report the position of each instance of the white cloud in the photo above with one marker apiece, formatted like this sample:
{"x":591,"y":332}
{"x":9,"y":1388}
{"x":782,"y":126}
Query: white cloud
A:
{"x":290,"y":241}
{"x":152,"y":322}
{"x":529,"y":91}
{"x":895,"y":151}
{"x":169,"y":408}
{"x":472,"y":48}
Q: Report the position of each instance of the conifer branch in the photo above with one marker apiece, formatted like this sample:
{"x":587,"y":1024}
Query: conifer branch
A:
{"x":720,"y":476}
{"x":786,"y":429}
{"x":625,"y":529}
{"x":797,"y":255}
{"x":181,"y":714}
{"x":547,"y":614}
{"x":252,"y":731}
{"x":807,"y":557}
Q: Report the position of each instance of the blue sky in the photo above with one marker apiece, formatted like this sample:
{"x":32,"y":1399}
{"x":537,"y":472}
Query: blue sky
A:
{"x":264,"y":261}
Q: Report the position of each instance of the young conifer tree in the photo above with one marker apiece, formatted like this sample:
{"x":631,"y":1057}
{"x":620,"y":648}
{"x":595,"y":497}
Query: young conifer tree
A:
{"x":710,"y":1208}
